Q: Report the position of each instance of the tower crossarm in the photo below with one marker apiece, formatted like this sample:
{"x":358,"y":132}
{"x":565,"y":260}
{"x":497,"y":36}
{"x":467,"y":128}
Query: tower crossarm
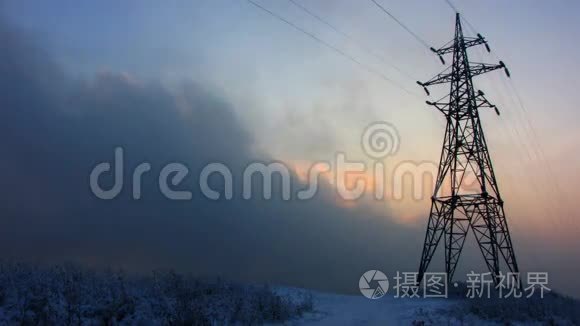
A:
{"x":441,"y":78}
{"x":481,"y":68}
{"x":475,"y":69}
{"x":441,"y":105}
{"x":482,"y":102}
{"x":468,"y":41}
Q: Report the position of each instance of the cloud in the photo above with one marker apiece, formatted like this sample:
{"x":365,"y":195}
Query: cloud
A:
{"x":54,"y":129}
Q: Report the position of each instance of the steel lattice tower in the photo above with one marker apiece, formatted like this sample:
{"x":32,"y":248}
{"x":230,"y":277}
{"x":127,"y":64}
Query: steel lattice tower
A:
{"x":455,"y":210}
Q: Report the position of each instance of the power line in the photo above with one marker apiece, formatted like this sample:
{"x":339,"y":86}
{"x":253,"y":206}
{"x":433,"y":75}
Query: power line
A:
{"x":350,"y":39}
{"x":451,"y":5}
{"x":332,"y":47}
{"x":462,"y":16}
{"x":320,"y":19}
{"x":511,"y":124}
{"x":419,"y":39}
{"x":539,"y":151}
{"x":524,"y":145}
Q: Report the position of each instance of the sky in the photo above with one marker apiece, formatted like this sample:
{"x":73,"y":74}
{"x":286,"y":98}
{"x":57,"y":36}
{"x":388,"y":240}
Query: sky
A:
{"x":206,"y":81}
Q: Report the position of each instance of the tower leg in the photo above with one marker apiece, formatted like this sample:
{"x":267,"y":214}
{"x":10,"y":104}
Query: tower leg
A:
{"x":504,"y":241}
{"x":435,"y":230}
{"x":455,"y":234}
{"x":484,"y":224}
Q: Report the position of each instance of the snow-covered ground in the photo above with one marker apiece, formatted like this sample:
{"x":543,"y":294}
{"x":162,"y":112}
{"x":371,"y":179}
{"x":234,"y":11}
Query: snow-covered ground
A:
{"x":335,"y":309}
{"x":57,"y":295}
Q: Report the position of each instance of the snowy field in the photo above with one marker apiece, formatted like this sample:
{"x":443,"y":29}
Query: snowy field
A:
{"x":70,"y":295}
{"x":335,"y":309}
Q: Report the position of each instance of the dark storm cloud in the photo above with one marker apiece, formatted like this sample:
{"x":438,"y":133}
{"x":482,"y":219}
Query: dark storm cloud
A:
{"x":55,"y":129}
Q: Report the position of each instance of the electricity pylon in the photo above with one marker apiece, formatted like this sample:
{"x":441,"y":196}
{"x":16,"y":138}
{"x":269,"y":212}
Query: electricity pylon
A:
{"x":454,"y":208}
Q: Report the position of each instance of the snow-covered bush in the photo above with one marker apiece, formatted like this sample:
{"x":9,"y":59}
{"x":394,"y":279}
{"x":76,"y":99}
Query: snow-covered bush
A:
{"x":70,"y":295}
